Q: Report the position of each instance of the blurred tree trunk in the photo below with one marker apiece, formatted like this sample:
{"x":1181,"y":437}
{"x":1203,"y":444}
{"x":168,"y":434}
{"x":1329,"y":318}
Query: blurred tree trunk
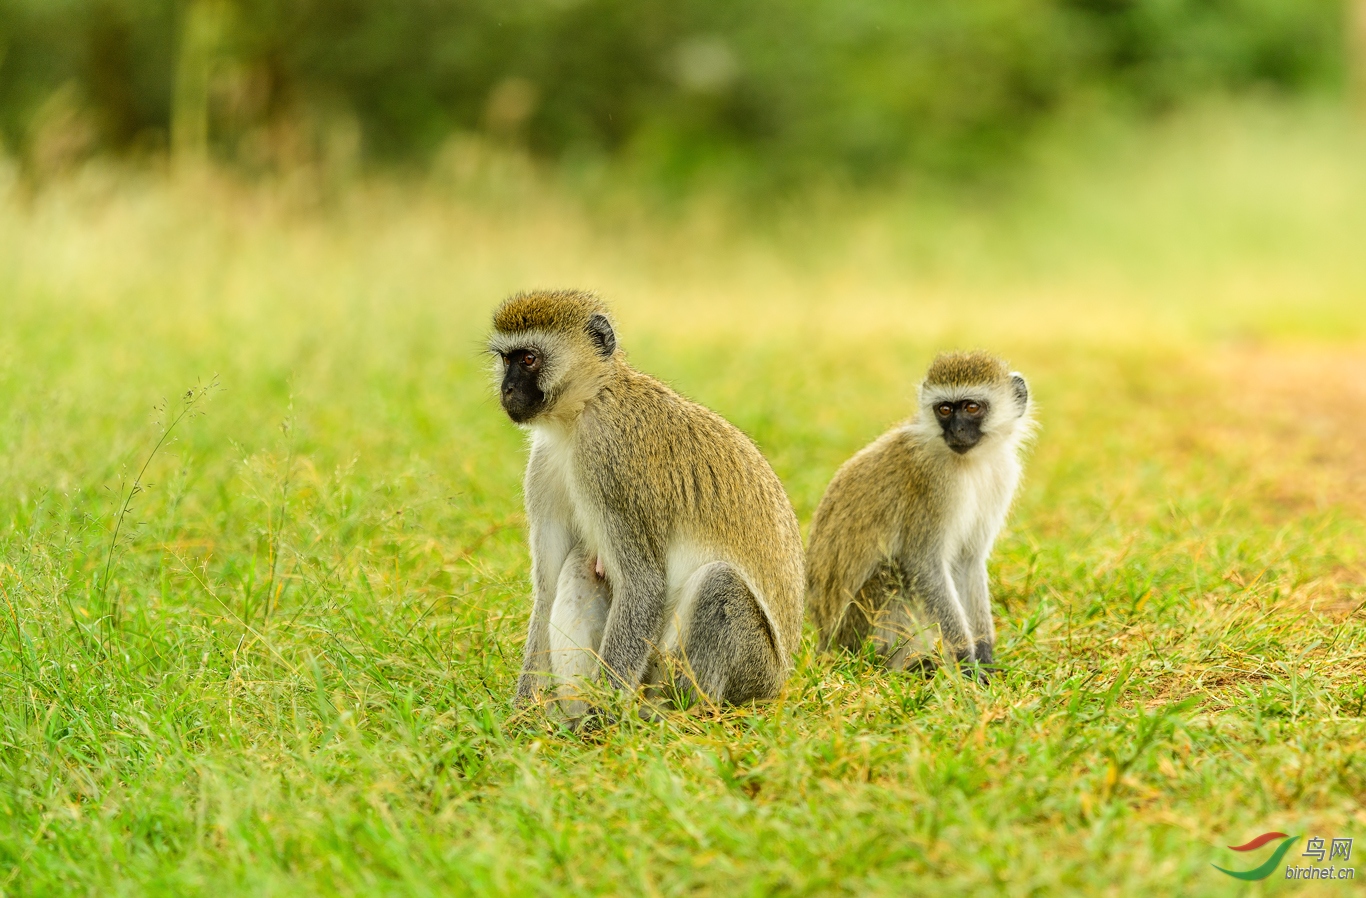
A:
{"x":201,"y":37}
{"x":1356,"y":53}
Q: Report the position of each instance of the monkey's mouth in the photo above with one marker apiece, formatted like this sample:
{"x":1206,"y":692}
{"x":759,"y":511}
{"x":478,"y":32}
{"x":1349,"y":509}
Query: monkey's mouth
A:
{"x":961,"y":444}
{"x":519,"y":412}
{"x":522,"y":402}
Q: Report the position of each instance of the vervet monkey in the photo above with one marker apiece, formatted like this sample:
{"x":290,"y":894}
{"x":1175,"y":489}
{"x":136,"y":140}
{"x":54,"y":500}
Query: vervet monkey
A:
{"x":899,"y":542}
{"x":664,"y":551}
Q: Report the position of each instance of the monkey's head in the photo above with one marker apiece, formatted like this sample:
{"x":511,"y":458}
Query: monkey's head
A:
{"x":972,"y":398}
{"x":552,"y":348}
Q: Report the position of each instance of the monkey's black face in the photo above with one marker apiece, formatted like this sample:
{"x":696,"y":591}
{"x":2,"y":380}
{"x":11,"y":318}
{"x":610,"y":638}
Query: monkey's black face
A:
{"x":520,"y":394}
{"x":962,"y":422}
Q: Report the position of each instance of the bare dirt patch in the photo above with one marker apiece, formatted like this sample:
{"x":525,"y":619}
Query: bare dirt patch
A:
{"x":1337,"y":595}
{"x":1295,"y":421}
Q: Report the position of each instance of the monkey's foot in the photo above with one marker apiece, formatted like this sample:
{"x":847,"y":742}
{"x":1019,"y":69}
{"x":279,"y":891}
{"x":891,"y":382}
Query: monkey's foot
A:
{"x":914,"y":664}
{"x":982,"y":673}
{"x":595,"y":721}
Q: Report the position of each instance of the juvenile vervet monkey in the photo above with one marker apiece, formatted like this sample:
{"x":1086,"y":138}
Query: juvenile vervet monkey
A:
{"x":899,"y":543}
{"x":664,"y":551}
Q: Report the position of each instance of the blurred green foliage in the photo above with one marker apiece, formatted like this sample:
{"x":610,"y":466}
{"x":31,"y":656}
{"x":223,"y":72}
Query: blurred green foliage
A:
{"x":855,"y":88}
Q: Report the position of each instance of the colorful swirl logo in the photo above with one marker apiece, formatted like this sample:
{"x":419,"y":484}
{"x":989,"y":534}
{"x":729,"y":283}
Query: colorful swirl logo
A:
{"x":1272,"y":862}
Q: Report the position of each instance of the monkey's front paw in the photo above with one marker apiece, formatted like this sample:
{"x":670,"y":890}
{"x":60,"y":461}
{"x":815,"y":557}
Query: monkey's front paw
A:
{"x":595,"y":721}
{"x":649,"y":713}
{"x":923,"y":665}
{"x":982,"y":673}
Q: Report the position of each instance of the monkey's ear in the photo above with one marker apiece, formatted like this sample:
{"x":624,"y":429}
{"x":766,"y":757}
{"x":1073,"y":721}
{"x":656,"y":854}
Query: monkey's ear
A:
{"x":600,"y":332}
{"x":1017,"y":383}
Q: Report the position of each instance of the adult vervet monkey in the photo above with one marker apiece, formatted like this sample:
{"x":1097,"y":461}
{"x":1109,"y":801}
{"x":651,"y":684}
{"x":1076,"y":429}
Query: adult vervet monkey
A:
{"x":663,"y":548}
{"x":899,"y":543}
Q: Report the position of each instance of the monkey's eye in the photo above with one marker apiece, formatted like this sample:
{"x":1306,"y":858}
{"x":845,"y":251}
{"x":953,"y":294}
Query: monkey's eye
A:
{"x":972,"y":408}
{"x":943,"y":409}
{"x":530,"y":361}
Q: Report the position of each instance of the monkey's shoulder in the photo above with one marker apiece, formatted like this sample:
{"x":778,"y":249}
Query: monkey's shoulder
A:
{"x":897,"y":460}
{"x":874,"y":489}
{"x":639,"y":412}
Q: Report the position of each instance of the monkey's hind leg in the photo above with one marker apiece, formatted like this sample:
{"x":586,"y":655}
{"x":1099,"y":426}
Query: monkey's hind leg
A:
{"x":857,"y":617}
{"x":577,"y":620}
{"x":724,"y":650}
{"x":901,"y":636}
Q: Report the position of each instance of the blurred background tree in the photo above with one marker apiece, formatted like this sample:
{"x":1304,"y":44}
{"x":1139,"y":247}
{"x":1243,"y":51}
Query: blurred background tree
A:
{"x":778,"y":92}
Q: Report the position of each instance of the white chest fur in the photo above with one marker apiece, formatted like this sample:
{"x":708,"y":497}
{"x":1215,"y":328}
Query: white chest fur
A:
{"x":985,"y":489}
{"x":553,"y":455}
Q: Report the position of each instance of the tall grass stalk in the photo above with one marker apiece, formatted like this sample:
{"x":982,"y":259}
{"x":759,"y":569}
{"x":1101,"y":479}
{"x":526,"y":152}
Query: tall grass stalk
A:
{"x":188,"y":402}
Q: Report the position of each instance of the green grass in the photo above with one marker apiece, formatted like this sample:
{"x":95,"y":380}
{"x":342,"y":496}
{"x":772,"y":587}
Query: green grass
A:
{"x":296,"y":677}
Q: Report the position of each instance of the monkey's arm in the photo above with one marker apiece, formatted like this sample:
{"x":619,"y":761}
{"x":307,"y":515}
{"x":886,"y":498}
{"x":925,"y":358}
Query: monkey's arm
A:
{"x":551,"y":542}
{"x":932,"y":584}
{"x":636,"y":618}
{"x":971,"y":579}
{"x":633,"y":628}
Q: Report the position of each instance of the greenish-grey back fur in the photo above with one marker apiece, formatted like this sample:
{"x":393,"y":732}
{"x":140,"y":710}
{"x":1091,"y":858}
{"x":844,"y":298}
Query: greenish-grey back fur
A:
{"x":872,"y":493}
{"x":713,"y":476}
